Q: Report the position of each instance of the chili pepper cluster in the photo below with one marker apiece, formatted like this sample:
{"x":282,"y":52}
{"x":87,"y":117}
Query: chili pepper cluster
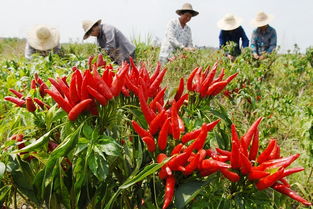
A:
{"x":204,"y":82}
{"x":25,"y":101}
{"x":268,"y":169}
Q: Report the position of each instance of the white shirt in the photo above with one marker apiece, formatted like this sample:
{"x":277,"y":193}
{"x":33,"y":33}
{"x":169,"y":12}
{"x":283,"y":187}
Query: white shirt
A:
{"x":176,"y":37}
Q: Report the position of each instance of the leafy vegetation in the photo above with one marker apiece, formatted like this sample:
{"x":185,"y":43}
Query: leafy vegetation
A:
{"x":101,"y":162}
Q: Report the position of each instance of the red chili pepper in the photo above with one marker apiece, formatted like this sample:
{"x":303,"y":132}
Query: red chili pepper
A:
{"x":181,"y":124}
{"x":255,"y":146}
{"x":251,"y":131}
{"x":147,"y":112}
{"x":139,"y":130}
{"x":232,"y":176}
{"x":192,"y":165}
{"x":275,"y":153}
{"x":118,"y":80}
{"x":169,"y":191}
{"x":60,"y":100}
{"x":190,"y":79}
{"x":101,"y":85}
{"x":220,"y":76}
{"x":230,"y":78}
{"x":181,"y":101}
{"x":245,"y":164}
{"x":157,"y":122}
{"x":178,"y":161}
{"x":177,"y":149}
{"x":200,"y":141}
{"x":64,"y":88}
{"x":56,"y":85}
{"x":156,"y":72}
{"x":90,"y":59}
{"x":165,"y":170}
{"x":213,"y":164}
{"x":125,"y":91}
{"x":77,"y":109}
{"x":194,"y":134}
{"x":42,"y":88}
{"x":208,"y":80}
{"x":93,"y":92}
{"x":17,"y":101}
{"x":174,"y":121}
{"x":33,"y":84}
{"x":150,"y":143}
{"x":235,"y":155}
{"x":264,"y":155}
{"x":129,"y":84}
{"x":269,"y":180}
{"x":41,"y":104}
{"x":30,"y":106}
{"x":292,"y":170}
{"x":74,"y":97}
{"x":179,"y":90}
{"x":18,"y":94}
{"x":100,"y":61}
{"x":156,"y":83}
{"x":162,"y":139}
{"x":216,"y":88}
{"x":223,"y":152}
{"x":79,"y":81}
{"x":285,"y":182}
{"x":292,"y":194}
{"x":196,"y":83}
{"x":281,"y":162}
{"x":255,"y":174}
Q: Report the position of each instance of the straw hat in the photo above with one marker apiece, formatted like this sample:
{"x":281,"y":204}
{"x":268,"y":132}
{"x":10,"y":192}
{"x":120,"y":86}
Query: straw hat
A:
{"x":43,"y":37}
{"x":187,"y":7}
{"x":87,"y":25}
{"x":229,"y":22}
{"x":261,"y":19}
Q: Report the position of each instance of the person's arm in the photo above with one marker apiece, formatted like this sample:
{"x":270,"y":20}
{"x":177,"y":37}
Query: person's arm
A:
{"x":170,"y":33}
{"x":28,"y":51}
{"x":244,"y":38}
{"x":190,"y":45}
{"x":221,"y":39}
{"x":273,"y":42}
{"x":253,"y":44}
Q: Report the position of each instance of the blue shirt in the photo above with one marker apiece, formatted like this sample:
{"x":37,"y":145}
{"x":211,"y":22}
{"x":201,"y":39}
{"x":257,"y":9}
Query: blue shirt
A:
{"x":263,"y":41}
{"x":234,"y":36}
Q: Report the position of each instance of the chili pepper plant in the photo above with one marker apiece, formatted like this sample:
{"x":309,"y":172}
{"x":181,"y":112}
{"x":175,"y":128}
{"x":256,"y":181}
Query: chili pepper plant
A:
{"x":113,"y":137}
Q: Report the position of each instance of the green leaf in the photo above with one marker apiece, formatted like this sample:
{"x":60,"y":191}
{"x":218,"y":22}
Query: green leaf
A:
{"x":186,"y":192}
{"x":98,"y":166}
{"x":87,"y":131}
{"x":148,"y":170}
{"x":109,"y":146}
{"x":2,"y":169}
{"x":38,"y":143}
{"x":4,"y":191}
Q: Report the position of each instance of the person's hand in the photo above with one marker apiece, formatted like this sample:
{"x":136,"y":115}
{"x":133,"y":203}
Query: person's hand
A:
{"x":189,"y":49}
{"x":256,"y":56}
{"x":232,"y":58}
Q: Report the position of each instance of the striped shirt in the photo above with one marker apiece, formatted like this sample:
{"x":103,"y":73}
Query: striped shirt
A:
{"x":176,"y":37}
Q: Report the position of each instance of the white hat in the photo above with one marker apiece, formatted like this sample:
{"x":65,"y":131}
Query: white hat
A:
{"x":261,"y":19}
{"x":43,"y":37}
{"x":229,"y":22}
{"x":87,"y":25}
{"x":187,"y":8}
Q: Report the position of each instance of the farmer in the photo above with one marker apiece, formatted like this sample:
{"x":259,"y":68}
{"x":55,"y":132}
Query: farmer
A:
{"x":231,"y":31}
{"x":42,"y":39}
{"x":178,"y":33}
{"x":264,"y":37}
{"x":109,"y":38}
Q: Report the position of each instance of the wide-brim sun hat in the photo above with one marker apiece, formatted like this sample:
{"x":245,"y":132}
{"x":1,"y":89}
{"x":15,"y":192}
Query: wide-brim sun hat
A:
{"x":187,"y":8}
{"x":43,"y":37}
{"x":261,"y":19}
{"x":87,"y":25}
{"x":229,"y":22}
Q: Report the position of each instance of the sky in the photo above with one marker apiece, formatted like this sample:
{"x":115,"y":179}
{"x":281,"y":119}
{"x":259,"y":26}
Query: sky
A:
{"x":147,"y":19}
